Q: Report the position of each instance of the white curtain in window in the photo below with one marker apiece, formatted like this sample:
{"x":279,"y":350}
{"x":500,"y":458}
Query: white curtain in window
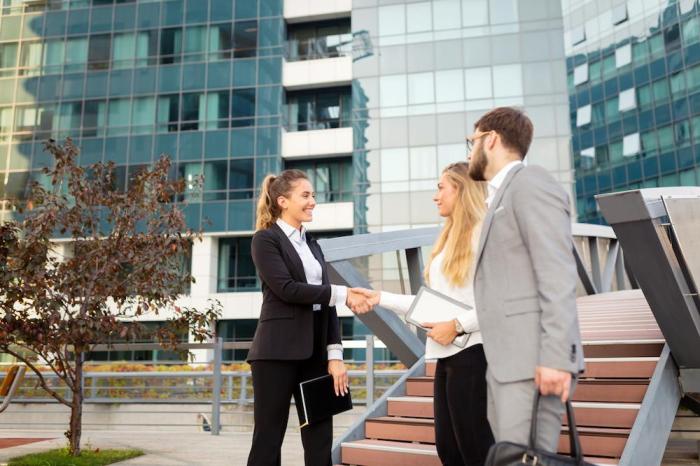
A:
{"x":123,"y":50}
{"x":144,"y":115}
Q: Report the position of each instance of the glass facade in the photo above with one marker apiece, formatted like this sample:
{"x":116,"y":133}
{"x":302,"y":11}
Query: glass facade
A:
{"x":634,"y":95}
{"x":128,"y":81}
{"x":434,"y":68}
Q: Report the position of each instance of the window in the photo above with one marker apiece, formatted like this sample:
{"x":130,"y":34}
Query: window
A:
{"x":168,"y":113}
{"x":682,"y":133}
{"x":332,"y":179}
{"x":190,"y":114}
{"x":319,"y":109}
{"x":612,"y":109}
{"x":588,"y":158}
{"x":220,"y":41}
{"x":693,"y":78}
{"x":678,"y":84}
{"x":118,"y":117}
{"x":598,"y":114}
{"x":609,"y":68}
{"x":25,"y":119}
{"x":644,"y":96}
{"x":236,"y":330}
{"x":170,"y":45}
{"x":245,"y":39}
{"x":619,"y":14}
{"x":215,"y":180}
{"x":217,"y":110}
{"x":99,"y":52}
{"x":240,"y":179}
{"x":507,"y":81}
{"x":449,"y":86}
{"x":623,"y":55}
{"x":54,"y":56}
{"x":195,"y":43}
{"x":30,"y":58}
{"x":581,"y":74}
{"x":627,"y":100}
{"x":76,"y":54}
{"x":583,"y":116}
{"x":631,"y":145}
{"x":243,"y":107}
{"x":691,"y":30}
{"x":578,"y":35}
{"x":147,"y":335}
{"x":322,"y":39}
{"x":666,"y":138}
{"x":672,"y":37}
{"x":478,"y":83}
{"x":8,"y":58}
{"x":5,"y":120}
{"x":649,"y":144}
{"x":95,"y":118}
{"x":392,"y":90}
{"x":421,"y":88}
{"x":594,"y":69}
{"x":144,"y":115}
{"x":236,"y":267}
{"x":660,"y":89}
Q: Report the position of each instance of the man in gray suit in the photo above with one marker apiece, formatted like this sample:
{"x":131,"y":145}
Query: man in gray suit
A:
{"x":524,"y":283}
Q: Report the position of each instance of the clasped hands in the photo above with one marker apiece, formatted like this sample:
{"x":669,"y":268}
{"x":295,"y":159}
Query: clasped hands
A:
{"x":362,"y":300}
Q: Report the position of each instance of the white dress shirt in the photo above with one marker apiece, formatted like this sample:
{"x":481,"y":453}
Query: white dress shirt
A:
{"x":497,"y":180}
{"x":314,"y":274}
{"x":401,"y":303}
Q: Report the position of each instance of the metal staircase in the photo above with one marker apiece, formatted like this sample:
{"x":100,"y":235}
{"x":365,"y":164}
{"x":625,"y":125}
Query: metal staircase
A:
{"x":627,"y":399}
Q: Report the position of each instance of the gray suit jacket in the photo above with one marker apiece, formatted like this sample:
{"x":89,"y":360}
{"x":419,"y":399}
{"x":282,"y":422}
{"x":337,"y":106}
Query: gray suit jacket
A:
{"x":525,"y":279}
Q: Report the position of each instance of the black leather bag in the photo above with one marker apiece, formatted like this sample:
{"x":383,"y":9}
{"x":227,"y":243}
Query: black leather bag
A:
{"x":513,"y":454}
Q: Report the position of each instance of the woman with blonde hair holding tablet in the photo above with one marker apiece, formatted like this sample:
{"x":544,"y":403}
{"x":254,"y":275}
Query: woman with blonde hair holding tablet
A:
{"x":462,"y":432}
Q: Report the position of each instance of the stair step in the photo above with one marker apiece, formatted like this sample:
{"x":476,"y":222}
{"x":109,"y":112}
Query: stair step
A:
{"x":620,"y":368}
{"x":597,"y":441}
{"x":602,"y":390}
{"x":608,"y":368}
{"x":613,"y":415}
{"x":388,"y":453}
{"x":611,"y":391}
{"x":404,"y":429}
{"x":420,"y":386}
{"x":622,"y":349}
{"x":410,"y":406}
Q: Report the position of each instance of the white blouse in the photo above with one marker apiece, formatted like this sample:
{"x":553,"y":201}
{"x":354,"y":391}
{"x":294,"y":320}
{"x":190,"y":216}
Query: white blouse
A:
{"x":401,"y":303}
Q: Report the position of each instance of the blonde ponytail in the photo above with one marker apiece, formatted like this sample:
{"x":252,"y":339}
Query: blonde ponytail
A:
{"x":268,"y":211}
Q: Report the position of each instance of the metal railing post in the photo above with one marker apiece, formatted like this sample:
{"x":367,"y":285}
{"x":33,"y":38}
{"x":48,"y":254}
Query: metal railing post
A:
{"x":216,"y":395}
{"x":369,"y":378}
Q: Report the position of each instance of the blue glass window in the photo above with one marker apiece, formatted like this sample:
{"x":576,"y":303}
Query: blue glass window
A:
{"x":245,"y":38}
{"x":243,"y":107}
{"x":236,"y":268}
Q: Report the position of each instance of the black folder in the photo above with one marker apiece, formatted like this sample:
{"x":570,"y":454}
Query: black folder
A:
{"x":318,"y":401}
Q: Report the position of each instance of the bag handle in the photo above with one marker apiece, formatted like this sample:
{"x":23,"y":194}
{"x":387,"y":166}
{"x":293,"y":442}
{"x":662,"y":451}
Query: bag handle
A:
{"x":575,"y":445}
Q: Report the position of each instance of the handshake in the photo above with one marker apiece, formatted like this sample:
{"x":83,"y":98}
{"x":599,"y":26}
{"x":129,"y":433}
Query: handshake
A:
{"x":362,"y":300}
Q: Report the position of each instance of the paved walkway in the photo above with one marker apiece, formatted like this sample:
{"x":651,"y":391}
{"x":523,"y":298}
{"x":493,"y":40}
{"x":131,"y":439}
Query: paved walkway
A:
{"x":161,"y":448}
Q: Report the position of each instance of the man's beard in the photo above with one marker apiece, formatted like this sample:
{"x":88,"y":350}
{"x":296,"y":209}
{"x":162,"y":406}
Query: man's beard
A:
{"x":477,"y":166}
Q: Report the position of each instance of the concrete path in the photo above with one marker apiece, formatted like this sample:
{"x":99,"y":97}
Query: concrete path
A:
{"x":161,"y":448}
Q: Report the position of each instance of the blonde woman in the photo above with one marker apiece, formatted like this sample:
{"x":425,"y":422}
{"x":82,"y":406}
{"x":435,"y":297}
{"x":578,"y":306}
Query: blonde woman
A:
{"x":462,"y":432}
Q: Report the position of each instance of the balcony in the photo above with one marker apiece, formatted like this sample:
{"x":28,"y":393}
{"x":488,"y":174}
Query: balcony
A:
{"x":317,"y":73}
{"x":316,"y":143}
{"x":298,"y":11}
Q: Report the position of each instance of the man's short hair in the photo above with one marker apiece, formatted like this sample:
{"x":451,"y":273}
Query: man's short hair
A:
{"x":514,"y":127}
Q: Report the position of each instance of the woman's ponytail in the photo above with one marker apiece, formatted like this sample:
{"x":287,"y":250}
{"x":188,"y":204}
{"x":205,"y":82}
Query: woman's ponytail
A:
{"x":268,"y":210}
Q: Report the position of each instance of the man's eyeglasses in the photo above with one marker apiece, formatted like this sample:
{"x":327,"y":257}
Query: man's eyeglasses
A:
{"x":471,"y":139}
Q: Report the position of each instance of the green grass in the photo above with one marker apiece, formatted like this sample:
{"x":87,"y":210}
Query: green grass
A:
{"x":60,"y":457}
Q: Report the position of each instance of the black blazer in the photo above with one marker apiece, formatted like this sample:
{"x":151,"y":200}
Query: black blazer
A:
{"x":286,"y":327}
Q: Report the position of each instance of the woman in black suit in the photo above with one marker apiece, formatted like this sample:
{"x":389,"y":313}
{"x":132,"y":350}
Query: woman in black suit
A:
{"x":298,"y":335}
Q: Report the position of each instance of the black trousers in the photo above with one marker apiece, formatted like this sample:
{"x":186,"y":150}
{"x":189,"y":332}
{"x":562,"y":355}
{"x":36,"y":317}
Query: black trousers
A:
{"x":274,"y":384}
{"x":462,"y":432}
